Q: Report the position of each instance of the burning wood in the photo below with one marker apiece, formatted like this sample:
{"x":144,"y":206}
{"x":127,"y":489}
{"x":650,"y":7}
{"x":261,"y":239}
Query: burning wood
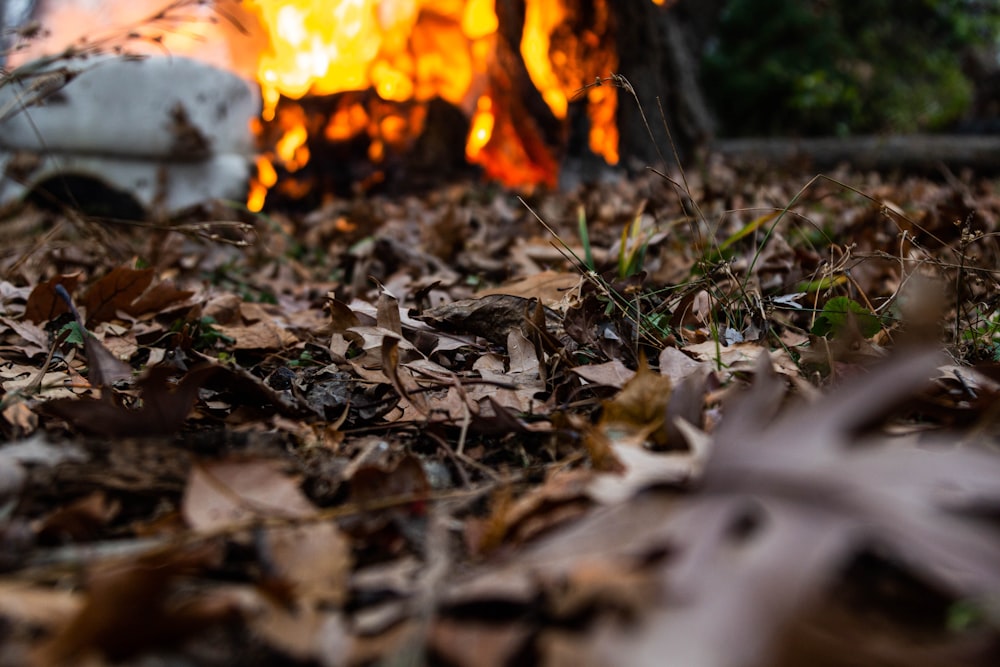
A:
{"x":411,"y":53}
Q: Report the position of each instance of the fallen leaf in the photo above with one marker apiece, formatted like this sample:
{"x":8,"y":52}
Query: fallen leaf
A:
{"x":164,"y":406}
{"x":465,"y":644}
{"x":115,"y":292}
{"x":44,"y":304}
{"x":157,"y":298}
{"x":262,"y":335}
{"x":22,"y":603}
{"x":36,"y":339}
{"x":609,"y":374}
{"x":80,"y":520}
{"x":676,"y":365}
{"x":104,"y":369}
{"x":552,"y":288}
{"x":129,"y":607}
{"x":490,"y":317}
{"x":560,"y":498}
{"x":639,"y":411}
{"x":227,"y":493}
{"x":315,"y":559}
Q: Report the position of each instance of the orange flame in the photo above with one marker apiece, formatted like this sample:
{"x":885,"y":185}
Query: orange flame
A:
{"x":411,"y":51}
{"x":404,"y":49}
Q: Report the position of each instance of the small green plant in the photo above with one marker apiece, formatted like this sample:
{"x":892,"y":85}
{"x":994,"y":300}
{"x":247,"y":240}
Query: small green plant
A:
{"x":304,"y":359}
{"x":75,"y":333}
{"x":204,"y":336}
{"x":984,"y":335}
{"x":649,"y":326}
{"x":838,"y":314}
{"x":965,"y":615}
{"x":632,"y":248}
{"x":229,"y":276}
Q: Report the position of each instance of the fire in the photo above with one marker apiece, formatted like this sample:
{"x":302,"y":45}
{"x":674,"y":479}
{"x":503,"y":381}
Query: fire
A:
{"x":403,"y":49}
{"x":481,"y":128}
{"x":411,"y":51}
{"x":543,"y":59}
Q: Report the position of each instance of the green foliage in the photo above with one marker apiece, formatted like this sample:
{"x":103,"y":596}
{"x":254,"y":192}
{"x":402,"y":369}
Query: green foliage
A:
{"x":966,"y":615}
{"x":204,"y":336}
{"x":584,"y":231}
{"x":304,"y":359}
{"x":983,"y":335}
{"x":76,"y":333}
{"x":839,"y":67}
{"x":632,"y":248}
{"x":231,"y":276}
{"x":838,"y":313}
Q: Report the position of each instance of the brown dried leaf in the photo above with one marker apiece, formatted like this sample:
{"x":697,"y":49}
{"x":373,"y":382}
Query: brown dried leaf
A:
{"x":104,"y":369}
{"x":342,"y":317}
{"x":224,"y":309}
{"x":225,"y":493}
{"x":157,"y":298}
{"x":490,"y":317}
{"x":724,"y":355}
{"x":676,"y":365}
{"x":164,"y":407}
{"x":80,"y":520}
{"x":388,"y":314}
{"x":132,"y":606}
{"x":371,"y":484}
{"x":21,"y":419}
{"x":36,"y":340}
{"x":781,"y":509}
{"x":44,"y":304}
{"x":36,"y":606}
{"x":261,"y":335}
{"x":639,"y":469}
{"x":515,"y":387}
{"x":315,"y":559}
{"x":115,"y":292}
{"x":639,"y":411}
{"x":560,"y":498}
{"x":465,"y":644}
{"x":402,"y":382}
{"x":551,"y":288}
{"x":609,"y":374}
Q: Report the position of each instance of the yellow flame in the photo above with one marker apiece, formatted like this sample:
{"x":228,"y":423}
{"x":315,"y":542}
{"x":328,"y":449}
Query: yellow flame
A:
{"x":603,"y":139}
{"x":405,"y":49}
{"x":480,"y":19}
{"x":291,"y":148}
{"x":540,"y":19}
{"x":346,"y":123}
{"x":481,"y":128}
{"x":560,"y":71}
{"x":266,"y":179}
{"x":411,"y":51}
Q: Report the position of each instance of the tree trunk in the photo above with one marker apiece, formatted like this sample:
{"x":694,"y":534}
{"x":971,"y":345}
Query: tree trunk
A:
{"x":659,"y":50}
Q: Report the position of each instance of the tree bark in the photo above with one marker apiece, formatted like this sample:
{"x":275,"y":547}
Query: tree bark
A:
{"x":659,"y":52}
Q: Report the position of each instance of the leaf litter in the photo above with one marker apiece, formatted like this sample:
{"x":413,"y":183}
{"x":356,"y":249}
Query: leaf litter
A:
{"x":422,"y":428}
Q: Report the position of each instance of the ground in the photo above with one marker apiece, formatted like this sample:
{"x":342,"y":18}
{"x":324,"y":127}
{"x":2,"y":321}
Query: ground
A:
{"x":729,"y":415}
